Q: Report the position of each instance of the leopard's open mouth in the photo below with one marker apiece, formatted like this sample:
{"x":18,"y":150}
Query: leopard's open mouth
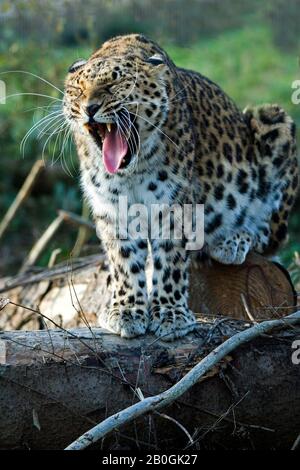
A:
{"x":117,"y":141}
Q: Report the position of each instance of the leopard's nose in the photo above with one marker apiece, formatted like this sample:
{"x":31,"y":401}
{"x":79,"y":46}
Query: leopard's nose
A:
{"x":92,"y":109}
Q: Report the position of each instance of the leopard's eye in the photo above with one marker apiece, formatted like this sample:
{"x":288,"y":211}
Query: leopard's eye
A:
{"x":156,"y":59}
{"x":76,"y":65}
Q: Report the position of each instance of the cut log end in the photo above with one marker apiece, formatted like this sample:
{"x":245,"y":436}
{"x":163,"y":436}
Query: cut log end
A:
{"x":258,"y":288}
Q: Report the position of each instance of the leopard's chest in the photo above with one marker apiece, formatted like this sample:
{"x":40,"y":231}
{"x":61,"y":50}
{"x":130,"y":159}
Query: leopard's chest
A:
{"x":111,"y":194}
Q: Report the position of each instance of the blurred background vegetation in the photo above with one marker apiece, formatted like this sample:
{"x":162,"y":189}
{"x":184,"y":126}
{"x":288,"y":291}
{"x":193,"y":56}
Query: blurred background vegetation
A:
{"x":249,"y":47}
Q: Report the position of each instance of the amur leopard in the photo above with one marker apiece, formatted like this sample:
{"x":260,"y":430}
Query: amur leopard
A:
{"x":155,"y":133}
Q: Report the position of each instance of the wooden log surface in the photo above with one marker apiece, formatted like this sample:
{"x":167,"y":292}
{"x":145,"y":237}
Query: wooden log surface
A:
{"x":55,"y":385}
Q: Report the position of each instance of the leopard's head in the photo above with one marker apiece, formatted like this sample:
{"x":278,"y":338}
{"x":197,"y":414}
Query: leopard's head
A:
{"x":119,"y":99}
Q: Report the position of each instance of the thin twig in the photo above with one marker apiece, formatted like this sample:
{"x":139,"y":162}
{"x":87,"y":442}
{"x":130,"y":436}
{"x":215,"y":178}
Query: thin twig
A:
{"x":85,"y":227}
{"x":56,"y":272}
{"x":224,"y":418}
{"x":77,"y":220}
{"x":220,"y":418}
{"x":42,"y":242}
{"x":173,"y":420}
{"x":163,"y":399}
{"x":296,"y":443}
{"x":21,"y":196}
{"x":247,"y":309}
{"x":53,"y":257}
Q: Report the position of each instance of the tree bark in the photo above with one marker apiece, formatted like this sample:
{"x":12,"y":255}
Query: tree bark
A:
{"x":55,"y":385}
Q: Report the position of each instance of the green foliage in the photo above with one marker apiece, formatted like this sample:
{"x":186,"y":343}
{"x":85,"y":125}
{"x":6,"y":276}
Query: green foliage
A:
{"x":246,"y":64}
{"x":70,"y":23}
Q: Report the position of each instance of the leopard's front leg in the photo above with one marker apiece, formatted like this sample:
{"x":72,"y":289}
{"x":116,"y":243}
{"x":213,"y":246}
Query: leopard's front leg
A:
{"x":128,"y":312}
{"x":169,"y":312}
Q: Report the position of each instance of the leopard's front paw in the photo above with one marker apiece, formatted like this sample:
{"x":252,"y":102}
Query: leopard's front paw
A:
{"x":171,"y":322}
{"x":126,"y":321}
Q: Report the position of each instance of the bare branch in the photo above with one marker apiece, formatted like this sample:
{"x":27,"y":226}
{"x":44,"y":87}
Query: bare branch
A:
{"x":296,"y":443}
{"x":42,"y":242}
{"x":21,"y":196}
{"x":77,"y":220}
{"x":56,"y":272}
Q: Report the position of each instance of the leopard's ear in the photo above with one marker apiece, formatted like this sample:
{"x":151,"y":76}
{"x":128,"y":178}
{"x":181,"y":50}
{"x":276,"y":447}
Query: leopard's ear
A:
{"x":77,"y":65}
{"x":156,"y":59}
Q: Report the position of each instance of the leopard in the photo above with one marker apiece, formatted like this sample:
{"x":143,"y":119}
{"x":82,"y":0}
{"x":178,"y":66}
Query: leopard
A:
{"x":155,"y":133}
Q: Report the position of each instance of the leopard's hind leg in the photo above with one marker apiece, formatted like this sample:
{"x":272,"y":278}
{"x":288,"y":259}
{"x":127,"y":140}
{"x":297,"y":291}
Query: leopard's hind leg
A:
{"x":274,"y":135}
{"x":232,"y":248}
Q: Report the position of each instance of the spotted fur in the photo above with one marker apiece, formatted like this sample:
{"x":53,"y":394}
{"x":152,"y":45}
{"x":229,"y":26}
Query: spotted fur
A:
{"x":196,"y":146}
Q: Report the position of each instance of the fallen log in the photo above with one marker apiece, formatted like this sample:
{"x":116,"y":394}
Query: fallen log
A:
{"x":55,"y":385}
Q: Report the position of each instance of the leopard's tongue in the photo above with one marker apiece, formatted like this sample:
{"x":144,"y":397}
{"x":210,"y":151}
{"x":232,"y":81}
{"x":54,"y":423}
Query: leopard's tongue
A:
{"x":114,"y":149}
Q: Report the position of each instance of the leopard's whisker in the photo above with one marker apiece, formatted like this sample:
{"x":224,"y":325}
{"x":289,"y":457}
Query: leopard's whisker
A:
{"x":176,"y":94}
{"x":70,"y":143}
{"x":64,"y":159}
{"x":45,"y":120}
{"x":148,"y":164}
{"x":26,"y":136}
{"x":128,"y":126}
{"x":157,"y":128}
{"x":44,"y":107}
{"x":135,"y":134}
{"x":33,"y":75}
{"x":136,"y":103}
{"x":58,"y":137}
{"x":48,"y":125}
{"x":54,"y":148}
{"x":138,"y":115}
{"x":59,"y":125}
{"x":33,"y":94}
{"x":59,"y":128}
{"x":120,"y":126}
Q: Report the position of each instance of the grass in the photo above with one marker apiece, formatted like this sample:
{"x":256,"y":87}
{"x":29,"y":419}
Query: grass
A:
{"x":245,"y":63}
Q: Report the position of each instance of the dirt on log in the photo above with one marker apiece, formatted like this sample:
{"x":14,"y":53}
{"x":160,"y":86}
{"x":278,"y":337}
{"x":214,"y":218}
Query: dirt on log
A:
{"x":55,"y":385}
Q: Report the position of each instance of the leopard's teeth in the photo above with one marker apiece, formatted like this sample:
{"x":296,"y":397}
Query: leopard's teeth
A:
{"x":108,"y":125}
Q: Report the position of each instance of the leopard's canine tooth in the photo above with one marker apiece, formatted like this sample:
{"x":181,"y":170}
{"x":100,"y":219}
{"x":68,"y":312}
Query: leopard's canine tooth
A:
{"x":108,"y":125}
